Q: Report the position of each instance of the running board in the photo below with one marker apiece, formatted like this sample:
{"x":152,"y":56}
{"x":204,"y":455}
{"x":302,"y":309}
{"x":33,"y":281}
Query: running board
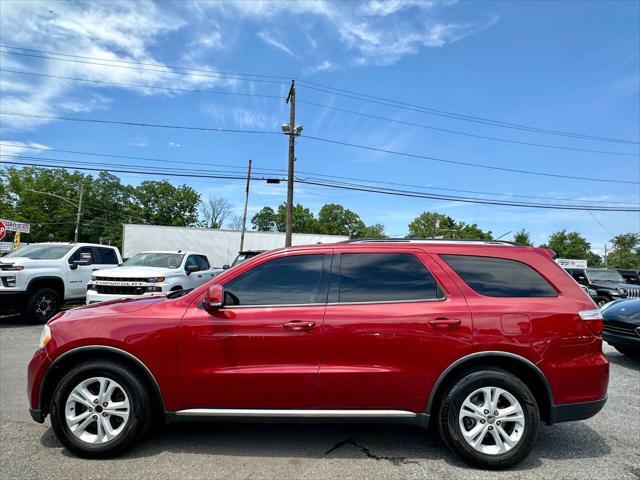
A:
{"x":250,"y":414}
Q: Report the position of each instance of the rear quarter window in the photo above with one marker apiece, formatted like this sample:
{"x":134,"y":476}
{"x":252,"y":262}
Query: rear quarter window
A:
{"x":499,"y":277}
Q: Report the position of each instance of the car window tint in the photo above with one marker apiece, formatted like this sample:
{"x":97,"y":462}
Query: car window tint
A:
{"x":107,"y":256}
{"x":499,"y":277}
{"x":384,"y":277}
{"x":191,"y":261}
{"x":290,"y":280}
{"x":203,"y":263}
{"x":78,"y":254}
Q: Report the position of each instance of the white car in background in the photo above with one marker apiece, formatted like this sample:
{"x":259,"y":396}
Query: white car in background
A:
{"x":151,"y":273}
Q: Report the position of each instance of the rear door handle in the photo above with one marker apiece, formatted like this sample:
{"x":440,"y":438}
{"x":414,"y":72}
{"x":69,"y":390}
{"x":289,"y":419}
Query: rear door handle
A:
{"x":445,"y":322}
{"x":298,"y":325}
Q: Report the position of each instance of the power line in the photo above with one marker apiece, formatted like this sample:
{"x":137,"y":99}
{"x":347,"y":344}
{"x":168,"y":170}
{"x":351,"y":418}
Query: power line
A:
{"x":87,"y":62}
{"x":189,"y":69}
{"x":431,"y":111}
{"x":362,"y":188}
{"x":135,"y":85}
{"x":468,"y":134}
{"x":467,"y":164}
{"x":137,"y":124}
{"x":326,"y":140}
{"x":311,"y":174}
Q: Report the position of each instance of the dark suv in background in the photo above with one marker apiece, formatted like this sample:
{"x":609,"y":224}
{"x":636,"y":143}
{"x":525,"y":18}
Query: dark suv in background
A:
{"x":630,"y":276}
{"x":608,"y":285}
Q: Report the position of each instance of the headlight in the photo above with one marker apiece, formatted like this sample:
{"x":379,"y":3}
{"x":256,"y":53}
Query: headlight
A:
{"x":93,"y":277}
{"x":13,"y":268}
{"x":622,"y":291}
{"x":155,"y":280}
{"x":614,"y":293}
{"x":45,"y":336}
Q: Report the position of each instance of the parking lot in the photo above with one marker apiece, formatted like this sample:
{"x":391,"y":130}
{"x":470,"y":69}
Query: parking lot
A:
{"x":604,"y":447}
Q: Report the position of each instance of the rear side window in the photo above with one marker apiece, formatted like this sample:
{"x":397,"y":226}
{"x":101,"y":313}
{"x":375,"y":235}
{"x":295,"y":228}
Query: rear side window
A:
{"x":385,"y":277}
{"x":290,"y":280}
{"x":500,"y":277}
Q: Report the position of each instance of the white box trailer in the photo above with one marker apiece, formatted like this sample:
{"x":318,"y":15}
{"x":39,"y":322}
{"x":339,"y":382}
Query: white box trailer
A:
{"x":221,"y":246}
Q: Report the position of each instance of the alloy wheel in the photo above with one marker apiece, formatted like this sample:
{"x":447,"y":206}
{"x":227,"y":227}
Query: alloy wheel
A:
{"x":491,"y":420}
{"x":45,"y":306}
{"x":97,"y":410}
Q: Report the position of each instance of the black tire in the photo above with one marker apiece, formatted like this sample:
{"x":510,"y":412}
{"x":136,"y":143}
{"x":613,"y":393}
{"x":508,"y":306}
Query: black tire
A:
{"x":450,"y":430}
{"x":628,"y":351}
{"x":42,"y":305}
{"x":602,"y":301}
{"x":140,"y":415}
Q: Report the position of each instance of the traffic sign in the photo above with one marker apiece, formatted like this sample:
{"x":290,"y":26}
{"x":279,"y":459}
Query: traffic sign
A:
{"x":3,"y":230}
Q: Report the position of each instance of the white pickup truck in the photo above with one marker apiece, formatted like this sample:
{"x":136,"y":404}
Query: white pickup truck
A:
{"x":38,"y":279}
{"x":151,"y":273}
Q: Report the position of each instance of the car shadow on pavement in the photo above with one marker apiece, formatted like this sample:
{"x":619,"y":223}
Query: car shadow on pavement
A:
{"x":624,"y":360}
{"x":399,"y":445}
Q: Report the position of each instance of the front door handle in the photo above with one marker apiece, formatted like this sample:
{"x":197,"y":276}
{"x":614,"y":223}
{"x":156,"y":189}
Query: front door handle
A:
{"x":445,"y":322}
{"x":298,"y":325}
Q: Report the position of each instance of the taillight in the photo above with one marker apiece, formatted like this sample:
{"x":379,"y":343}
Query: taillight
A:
{"x":593,"y":319}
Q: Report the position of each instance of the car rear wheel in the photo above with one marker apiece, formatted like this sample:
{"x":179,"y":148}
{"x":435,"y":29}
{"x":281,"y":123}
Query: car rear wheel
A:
{"x":99,"y":409}
{"x":42,"y":306}
{"x":490,"y":419}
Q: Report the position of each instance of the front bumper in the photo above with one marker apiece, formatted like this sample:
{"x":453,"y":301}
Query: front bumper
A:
{"x":95,"y":297}
{"x":620,"y":339}
{"x":575,"y":411}
{"x":12,"y":301}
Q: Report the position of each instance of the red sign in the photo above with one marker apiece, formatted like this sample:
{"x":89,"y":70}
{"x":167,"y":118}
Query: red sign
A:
{"x":3,"y":230}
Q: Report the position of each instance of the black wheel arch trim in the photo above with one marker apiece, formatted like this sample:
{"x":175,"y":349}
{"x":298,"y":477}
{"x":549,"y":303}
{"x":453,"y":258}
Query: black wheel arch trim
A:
{"x":42,"y":410}
{"x":58,"y":280}
{"x":488,"y":353}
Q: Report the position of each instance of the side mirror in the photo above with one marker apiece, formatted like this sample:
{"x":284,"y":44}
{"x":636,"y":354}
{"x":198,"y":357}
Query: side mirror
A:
{"x":214,"y":298}
{"x":84,"y":260}
{"x":226,"y":267}
{"x":190,"y":269}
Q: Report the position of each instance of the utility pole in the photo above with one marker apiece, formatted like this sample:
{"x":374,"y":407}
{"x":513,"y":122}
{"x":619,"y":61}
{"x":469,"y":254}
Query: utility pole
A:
{"x":246,"y":202}
{"x":291,"y":100}
{"x":75,"y":238}
{"x":605,"y":256}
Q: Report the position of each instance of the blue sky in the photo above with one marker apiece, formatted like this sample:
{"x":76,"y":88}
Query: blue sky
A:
{"x":566,"y":66}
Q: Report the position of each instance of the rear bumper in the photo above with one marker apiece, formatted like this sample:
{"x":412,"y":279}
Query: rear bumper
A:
{"x":575,"y":411}
{"x":620,"y":339}
{"x":12,"y":302}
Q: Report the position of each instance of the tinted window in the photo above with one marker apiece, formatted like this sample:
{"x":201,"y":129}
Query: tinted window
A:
{"x":499,"y":277}
{"x":384,"y":277}
{"x":106,"y":256}
{"x":203,"y":263}
{"x":284,"y":281}
{"x":192,"y":261}
{"x":41,"y":252}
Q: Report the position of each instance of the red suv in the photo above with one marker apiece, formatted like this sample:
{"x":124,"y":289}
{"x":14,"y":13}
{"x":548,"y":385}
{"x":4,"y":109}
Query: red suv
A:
{"x":484,"y":339}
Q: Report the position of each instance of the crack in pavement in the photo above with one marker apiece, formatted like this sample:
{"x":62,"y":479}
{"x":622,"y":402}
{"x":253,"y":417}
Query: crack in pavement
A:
{"x":397,"y":461}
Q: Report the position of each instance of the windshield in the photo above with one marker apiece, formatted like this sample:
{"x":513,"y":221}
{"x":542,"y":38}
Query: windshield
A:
{"x":41,"y":252}
{"x":239,"y":259}
{"x":605,"y":276}
{"x":161,"y":260}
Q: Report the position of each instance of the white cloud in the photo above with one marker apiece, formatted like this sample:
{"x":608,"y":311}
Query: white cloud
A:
{"x":269,"y":39}
{"x":174,"y":144}
{"x":139,"y":141}
{"x":242,"y":117}
{"x":109,"y":31}
{"x":10,"y":148}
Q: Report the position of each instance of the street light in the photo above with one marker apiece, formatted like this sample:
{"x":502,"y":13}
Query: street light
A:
{"x":77,"y":205}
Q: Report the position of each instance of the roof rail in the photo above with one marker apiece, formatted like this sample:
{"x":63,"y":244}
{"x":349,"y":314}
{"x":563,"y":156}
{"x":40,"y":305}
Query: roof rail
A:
{"x":429,"y":240}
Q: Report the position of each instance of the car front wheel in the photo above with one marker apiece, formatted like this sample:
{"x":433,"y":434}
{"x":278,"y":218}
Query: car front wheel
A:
{"x":99,"y":409}
{"x":43,"y":304}
{"x":489,"y":418}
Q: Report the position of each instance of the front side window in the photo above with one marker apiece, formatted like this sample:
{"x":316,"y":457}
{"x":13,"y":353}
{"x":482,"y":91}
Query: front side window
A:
{"x":290,"y":280}
{"x":499,"y":277}
{"x":203,"y":263}
{"x":77,"y":255}
{"x":385,"y":277}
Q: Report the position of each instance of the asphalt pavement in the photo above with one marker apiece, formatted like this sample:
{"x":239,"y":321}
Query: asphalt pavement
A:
{"x":604,"y":447}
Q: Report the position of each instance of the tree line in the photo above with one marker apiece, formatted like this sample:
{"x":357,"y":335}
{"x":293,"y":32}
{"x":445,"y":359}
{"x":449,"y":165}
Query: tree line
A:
{"x":32,"y":195}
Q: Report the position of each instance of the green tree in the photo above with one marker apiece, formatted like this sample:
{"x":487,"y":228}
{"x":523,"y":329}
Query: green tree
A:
{"x":572,"y":245}
{"x":264,"y":220}
{"x":303,"y":220}
{"x":334,"y":219}
{"x":159,"y":202}
{"x":433,"y":224}
{"x":373,"y":231}
{"x":522,"y":237}
{"x":625,"y":252}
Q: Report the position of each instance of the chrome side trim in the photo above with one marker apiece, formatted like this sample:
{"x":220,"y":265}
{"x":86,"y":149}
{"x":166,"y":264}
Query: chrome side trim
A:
{"x":487,"y":353}
{"x":441,"y":299}
{"x":289,"y":413}
{"x":108,"y":348}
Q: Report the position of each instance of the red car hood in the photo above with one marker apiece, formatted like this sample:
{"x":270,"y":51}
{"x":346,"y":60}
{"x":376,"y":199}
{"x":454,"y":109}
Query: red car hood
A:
{"x":111,"y":307}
